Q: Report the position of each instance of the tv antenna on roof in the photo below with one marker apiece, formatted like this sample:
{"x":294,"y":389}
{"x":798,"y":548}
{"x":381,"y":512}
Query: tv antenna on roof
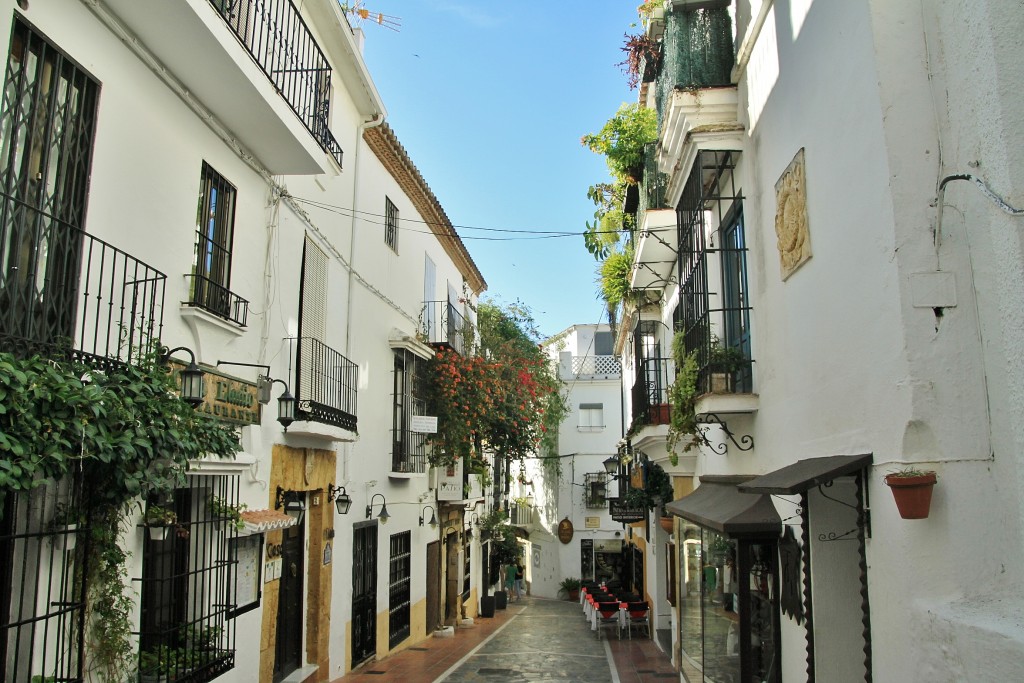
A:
{"x":358,"y":10}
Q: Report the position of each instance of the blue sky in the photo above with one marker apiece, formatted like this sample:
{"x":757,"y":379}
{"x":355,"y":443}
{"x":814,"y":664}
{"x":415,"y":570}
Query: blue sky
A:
{"x":490,"y":100}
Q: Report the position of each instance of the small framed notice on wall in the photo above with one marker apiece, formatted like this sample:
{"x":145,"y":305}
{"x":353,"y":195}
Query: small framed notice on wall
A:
{"x":248,"y":551}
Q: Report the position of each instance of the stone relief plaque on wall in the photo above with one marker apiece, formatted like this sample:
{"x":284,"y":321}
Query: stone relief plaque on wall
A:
{"x":791,"y":228}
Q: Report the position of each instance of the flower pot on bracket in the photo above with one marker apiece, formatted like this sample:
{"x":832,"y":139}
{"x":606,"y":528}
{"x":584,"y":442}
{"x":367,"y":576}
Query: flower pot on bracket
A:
{"x":157,"y":533}
{"x":667,"y":523}
{"x":913,"y":493}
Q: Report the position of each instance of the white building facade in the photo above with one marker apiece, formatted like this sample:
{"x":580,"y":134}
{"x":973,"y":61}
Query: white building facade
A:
{"x":839,"y":205}
{"x":307,"y":272}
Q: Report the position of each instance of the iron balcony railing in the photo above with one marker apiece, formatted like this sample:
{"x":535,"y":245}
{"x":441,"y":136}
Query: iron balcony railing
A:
{"x":696,"y":52}
{"x":650,"y":391}
{"x":210,"y":296}
{"x":409,"y":453}
{"x":276,"y":36}
{"x":64,"y":291}
{"x":442,"y":323}
{"x":590,"y":366}
{"x":325,"y":387}
{"x":653,"y":185}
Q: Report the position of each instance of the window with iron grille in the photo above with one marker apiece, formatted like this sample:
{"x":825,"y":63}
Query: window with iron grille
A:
{"x":595,"y":489}
{"x":409,"y":449}
{"x":215,"y":227}
{"x":710,"y":212}
{"x":399,"y":588}
{"x":42,"y":582}
{"x":391,"y":224}
{"x":47,"y":121}
{"x":187,"y":585}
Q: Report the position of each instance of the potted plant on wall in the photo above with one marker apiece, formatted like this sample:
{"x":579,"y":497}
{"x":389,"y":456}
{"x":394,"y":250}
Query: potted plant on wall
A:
{"x":221,"y":510}
{"x":724,"y":362}
{"x":158,"y":520}
{"x":912,"y":490}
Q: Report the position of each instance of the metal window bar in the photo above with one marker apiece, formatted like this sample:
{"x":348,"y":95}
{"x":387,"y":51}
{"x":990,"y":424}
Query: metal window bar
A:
{"x":325,"y":387}
{"x":709,"y":213}
{"x":391,"y":224}
{"x":187,"y":584}
{"x":596,"y":489}
{"x":61,"y":289}
{"x":43,"y":553}
{"x":409,"y":449}
{"x":217,"y":299}
{"x":442,"y":323}
{"x":653,"y":185}
{"x":106,"y":305}
{"x":650,"y":390}
{"x":399,"y":588}
{"x":277,"y":38}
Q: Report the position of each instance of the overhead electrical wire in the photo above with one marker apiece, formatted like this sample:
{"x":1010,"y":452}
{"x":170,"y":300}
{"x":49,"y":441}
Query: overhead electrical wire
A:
{"x":366,"y":216}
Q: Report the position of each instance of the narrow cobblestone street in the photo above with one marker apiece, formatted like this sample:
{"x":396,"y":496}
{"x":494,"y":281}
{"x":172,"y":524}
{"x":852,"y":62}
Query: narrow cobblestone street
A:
{"x":535,"y":640}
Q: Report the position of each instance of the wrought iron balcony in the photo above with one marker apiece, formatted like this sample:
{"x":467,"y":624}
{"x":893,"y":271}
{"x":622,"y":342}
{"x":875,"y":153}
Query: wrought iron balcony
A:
{"x":696,"y":52}
{"x":650,"y":392}
{"x":325,"y":386}
{"x":409,"y":452}
{"x":64,"y":291}
{"x":210,"y":296}
{"x":276,"y":36}
{"x":653,"y":185}
{"x":442,"y":323}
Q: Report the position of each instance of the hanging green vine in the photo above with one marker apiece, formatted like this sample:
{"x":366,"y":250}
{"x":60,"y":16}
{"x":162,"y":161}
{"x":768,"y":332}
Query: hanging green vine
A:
{"x":133,"y":437}
{"x":682,"y":397}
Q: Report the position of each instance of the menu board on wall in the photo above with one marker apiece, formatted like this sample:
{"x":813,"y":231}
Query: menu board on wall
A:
{"x":249,"y":553}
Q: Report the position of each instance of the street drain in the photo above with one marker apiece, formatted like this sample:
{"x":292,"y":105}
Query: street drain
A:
{"x":663,"y":675}
{"x":494,"y":672}
{"x":420,"y":649}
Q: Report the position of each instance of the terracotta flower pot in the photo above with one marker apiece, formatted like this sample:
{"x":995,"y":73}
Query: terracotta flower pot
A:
{"x":667,"y":524}
{"x":913,"y":494}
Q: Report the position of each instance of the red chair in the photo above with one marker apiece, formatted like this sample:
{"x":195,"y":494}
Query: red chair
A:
{"x":638,"y":615}
{"x":608,"y":615}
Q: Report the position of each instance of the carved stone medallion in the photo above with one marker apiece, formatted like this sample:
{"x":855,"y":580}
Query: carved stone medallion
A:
{"x":791,"y":229}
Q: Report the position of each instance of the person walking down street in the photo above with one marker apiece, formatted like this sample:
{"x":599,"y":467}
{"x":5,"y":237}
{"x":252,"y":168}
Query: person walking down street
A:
{"x":520,"y":586}
{"x":510,"y":581}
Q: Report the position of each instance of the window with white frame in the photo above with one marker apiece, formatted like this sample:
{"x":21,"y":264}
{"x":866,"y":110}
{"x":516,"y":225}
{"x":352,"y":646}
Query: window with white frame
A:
{"x":591,"y":417}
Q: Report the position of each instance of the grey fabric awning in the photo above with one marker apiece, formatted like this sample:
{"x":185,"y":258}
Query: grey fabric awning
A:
{"x":806,"y":474}
{"x":719,"y":505}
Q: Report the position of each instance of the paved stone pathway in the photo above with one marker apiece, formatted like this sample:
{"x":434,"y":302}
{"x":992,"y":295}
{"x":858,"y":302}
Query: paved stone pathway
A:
{"x":547,"y":641}
{"x":533,"y":640}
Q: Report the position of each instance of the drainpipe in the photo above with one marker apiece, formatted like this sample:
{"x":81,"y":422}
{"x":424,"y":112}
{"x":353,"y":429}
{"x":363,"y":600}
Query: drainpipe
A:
{"x":377,"y":120}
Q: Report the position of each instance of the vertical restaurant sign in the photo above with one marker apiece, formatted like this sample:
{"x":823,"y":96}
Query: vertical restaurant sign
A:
{"x":226,"y":398}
